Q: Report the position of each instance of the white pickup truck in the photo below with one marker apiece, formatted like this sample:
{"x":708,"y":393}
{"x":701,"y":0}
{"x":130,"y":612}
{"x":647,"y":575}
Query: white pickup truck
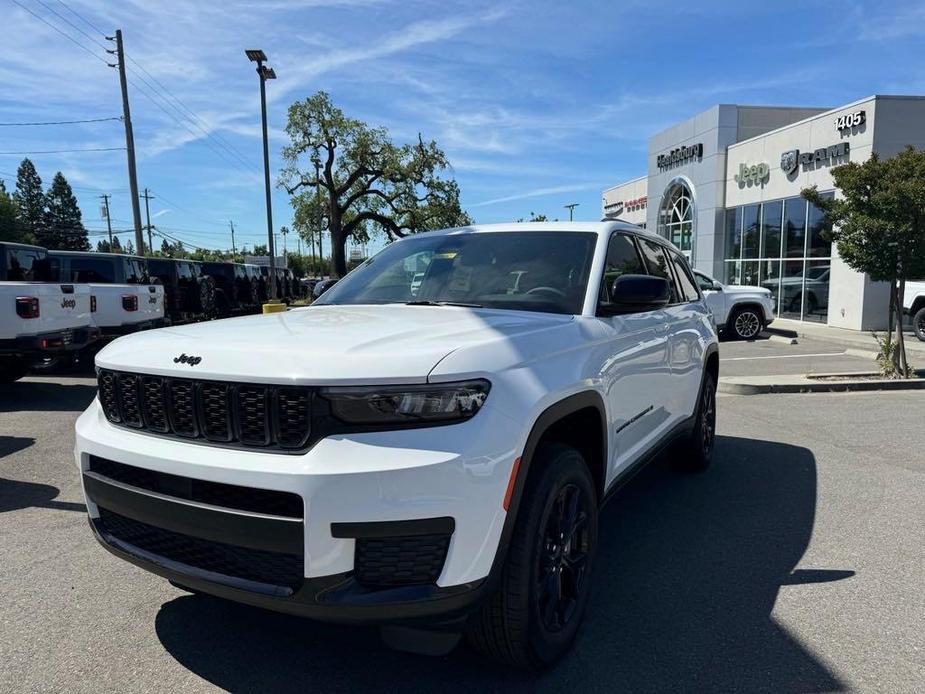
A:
{"x":123,"y":300}
{"x":914,"y":306}
{"x":739,"y":311}
{"x":38,"y":319}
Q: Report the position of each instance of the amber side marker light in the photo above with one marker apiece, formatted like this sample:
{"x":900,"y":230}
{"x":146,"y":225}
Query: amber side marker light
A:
{"x":510,"y":484}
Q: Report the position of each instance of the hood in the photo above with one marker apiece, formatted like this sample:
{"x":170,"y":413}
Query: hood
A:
{"x":321,"y":344}
{"x":744,"y":289}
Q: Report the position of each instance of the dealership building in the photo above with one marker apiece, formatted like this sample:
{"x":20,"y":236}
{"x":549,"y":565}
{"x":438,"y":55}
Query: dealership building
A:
{"x":725,"y":185}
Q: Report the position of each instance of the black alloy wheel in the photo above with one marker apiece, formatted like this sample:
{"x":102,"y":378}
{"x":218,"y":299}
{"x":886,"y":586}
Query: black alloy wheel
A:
{"x":707,"y":423}
{"x":562,"y":558}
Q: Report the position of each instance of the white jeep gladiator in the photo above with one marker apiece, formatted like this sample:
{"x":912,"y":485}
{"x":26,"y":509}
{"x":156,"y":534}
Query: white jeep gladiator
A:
{"x":740,"y":311}
{"x":424,"y":453}
{"x":38,"y":319}
{"x":914,"y":306}
{"x":123,"y":299}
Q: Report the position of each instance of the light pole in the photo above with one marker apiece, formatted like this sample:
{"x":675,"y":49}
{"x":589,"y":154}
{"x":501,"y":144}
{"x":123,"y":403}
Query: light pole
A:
{"x":317,"y":162}
{"x":571,"y":209}
{"x":266,"y":73}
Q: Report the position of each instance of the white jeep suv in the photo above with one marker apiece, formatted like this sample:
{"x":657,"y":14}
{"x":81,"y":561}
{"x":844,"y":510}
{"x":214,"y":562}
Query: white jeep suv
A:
{"x":427,"y":453}
{"x":739,"y":311}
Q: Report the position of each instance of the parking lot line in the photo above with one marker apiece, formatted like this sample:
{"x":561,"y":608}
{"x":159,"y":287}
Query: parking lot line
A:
{"x":786,"y":356}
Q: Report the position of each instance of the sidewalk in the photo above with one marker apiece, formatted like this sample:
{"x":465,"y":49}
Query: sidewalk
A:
{"x":849,"y":339}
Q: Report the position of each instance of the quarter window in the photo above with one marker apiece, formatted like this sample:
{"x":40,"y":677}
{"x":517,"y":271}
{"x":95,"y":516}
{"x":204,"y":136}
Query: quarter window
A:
{"x":657,"y":264}
{"x":685,"y":281}
{"x":622,"y":259}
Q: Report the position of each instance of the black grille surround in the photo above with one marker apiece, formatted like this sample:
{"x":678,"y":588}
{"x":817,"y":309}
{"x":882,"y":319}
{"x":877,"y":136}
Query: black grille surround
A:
{"x":239,"y":415}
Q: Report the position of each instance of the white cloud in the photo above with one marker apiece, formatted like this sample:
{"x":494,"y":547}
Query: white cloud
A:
{"x":539,"y":192}
{"x":160,"y":213}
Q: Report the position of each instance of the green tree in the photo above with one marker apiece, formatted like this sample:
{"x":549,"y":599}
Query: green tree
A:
{"x":63,"y":228}
{"x":10,"y":227}
{"x":878,"y":225}
{"x":30,"y":201}
{"x":537,"y":218}
{"x":365,"y":182}
{"x":103,"y":246}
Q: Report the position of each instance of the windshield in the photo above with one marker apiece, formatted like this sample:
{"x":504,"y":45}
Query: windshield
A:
{"x":529,"y":271}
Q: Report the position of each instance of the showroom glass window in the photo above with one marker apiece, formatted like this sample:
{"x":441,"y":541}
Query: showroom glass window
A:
{"x":676,"y":216}
{"x":788,"y":255}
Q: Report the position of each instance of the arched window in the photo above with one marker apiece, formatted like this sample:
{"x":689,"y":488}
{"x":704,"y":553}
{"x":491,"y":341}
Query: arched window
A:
{"x":676,"y":216}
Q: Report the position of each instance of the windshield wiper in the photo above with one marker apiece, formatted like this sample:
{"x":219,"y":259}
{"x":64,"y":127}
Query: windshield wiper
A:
{"x":428,"y":302}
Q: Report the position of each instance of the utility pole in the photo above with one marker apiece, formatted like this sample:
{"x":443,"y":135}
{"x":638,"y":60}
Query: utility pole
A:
{"x":571,"y":208}
{"x":148,"y":217}
{"x":234,"y":251}
{"x":284,"y":230}
{"x":129,"y":136}
{"x":108,"y":222}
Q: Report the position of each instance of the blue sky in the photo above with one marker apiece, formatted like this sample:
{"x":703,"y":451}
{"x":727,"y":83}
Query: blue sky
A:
{"x":537,"y":104}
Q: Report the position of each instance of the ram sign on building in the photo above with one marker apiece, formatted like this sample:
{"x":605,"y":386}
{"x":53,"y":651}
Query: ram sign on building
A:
{"x":725,"y":187}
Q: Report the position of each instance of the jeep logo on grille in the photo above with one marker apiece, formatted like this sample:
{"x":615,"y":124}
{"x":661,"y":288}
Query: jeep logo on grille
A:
{"x":187,"y":359}
{"x":68,"y":303}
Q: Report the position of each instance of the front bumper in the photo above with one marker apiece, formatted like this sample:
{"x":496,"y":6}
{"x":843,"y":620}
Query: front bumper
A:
{"x":351,"y":487}
{"x":67,"y":340}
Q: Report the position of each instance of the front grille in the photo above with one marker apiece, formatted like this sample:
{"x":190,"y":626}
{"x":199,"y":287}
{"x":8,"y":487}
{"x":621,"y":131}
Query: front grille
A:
{"x":231,"y":496}
{"x":271,"y":568}
{"x":382,"y":562}
{"x":237,"y":414}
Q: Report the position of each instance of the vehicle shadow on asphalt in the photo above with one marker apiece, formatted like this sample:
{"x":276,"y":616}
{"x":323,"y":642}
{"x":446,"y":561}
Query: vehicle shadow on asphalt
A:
{"x":15,"y":495}
{"x":46,"y":396}
{"x":687,"y":574}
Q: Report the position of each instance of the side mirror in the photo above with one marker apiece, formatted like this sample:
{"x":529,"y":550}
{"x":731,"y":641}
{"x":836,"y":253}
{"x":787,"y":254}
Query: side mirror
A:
{"x":635,"y":294}
{"x":717,"y":287}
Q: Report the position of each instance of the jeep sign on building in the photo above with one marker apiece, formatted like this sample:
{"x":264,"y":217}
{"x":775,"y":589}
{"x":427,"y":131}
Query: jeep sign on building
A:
{"x":725,"y":187}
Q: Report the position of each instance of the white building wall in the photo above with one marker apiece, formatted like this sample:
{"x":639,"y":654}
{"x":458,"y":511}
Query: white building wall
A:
{"x":627,"y":201}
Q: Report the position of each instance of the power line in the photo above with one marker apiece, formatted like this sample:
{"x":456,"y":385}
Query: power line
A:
{"x":62,"y":122}
{"x":64,"y":151}
{"x":73,"y":26}
{"x":189,"y":114}
{"x":65,"y":35}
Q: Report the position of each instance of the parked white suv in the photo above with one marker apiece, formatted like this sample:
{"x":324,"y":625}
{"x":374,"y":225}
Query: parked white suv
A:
{"x":38,"y":319}
{"x":914,"y":306}
{"x":429,"y":455}
{"x":739,"y":311}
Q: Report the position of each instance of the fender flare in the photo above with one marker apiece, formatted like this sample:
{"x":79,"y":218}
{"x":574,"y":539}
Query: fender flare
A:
{"x":548,"y":417}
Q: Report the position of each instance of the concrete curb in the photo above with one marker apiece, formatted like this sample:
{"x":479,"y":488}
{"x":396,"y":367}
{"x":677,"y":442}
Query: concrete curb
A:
{"x":782,"y":339}
{"x":805,"y":384}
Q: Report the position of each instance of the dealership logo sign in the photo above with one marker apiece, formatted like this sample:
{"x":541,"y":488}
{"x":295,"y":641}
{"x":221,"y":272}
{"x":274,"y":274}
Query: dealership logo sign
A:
{"x":792,"y":159}
{"x":680,"y":155}
{"x":752,"y":175}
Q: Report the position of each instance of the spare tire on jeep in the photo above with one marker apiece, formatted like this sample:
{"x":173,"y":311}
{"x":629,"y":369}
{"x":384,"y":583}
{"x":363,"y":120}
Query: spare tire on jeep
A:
{"x":205,"y":300}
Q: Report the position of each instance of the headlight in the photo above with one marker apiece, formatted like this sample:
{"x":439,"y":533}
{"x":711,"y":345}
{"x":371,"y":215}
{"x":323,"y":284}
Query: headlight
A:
{"x":438,"y":402}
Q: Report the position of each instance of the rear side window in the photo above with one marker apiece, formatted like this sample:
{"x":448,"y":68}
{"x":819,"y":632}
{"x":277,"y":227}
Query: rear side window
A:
{"x":95,"y":270}
{"x":686,"y":283}
{"x":26,"y":265}
{"x":135,"y":271}
{"x":657,"y":265}
{"x":622,"y":259}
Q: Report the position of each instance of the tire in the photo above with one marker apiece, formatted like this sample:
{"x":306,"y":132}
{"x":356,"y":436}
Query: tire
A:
{"x":745,"y":324}
{"x":521,"y":624}
{"x":695,"y":453}
{"x":918,"y":324}
{"x":205,"y":301}
{"x":13,"y":368}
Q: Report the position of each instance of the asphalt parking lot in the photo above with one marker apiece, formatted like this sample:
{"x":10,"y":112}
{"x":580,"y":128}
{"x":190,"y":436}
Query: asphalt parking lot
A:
{"x":767,"y":357}
{"x":796,"y":563}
